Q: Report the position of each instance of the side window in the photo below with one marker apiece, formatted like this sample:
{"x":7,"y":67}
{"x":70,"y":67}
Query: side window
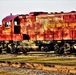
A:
{"x":15,"y":23}
{"x":7,"y":24}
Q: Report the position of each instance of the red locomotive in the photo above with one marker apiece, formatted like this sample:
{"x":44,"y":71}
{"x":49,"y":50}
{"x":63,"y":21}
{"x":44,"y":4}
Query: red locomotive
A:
{"x":48,"y":31}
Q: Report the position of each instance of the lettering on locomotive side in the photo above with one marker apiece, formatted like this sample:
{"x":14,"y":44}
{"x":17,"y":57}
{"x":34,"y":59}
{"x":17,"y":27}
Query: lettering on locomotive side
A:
{"x":72,"y":24}
{"x":52,"y":25}
{"x":65,"y":24}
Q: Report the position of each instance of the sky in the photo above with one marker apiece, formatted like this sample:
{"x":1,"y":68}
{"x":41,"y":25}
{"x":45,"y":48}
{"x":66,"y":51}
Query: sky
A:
{"x":26,"y":6}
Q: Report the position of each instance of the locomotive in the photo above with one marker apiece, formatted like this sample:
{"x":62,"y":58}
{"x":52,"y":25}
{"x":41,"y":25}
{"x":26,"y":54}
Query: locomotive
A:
{"x":39,"y":31}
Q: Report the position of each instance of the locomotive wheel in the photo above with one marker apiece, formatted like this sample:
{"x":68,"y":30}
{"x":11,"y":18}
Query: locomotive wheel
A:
{"x":56,"y":48}
{"x":67,"y":48}
{"x":73,"y":48}
{"x":24,"y":52}
{"x":0,"y":51}
{"x":61,"y":50}
{"x":8,"y":50}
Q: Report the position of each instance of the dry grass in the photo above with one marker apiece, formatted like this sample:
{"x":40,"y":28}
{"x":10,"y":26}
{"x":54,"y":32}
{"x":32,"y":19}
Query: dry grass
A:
{"x":62,"y":60}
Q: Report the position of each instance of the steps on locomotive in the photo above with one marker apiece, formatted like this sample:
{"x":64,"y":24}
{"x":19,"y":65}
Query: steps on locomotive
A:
{"x":4,"y":51}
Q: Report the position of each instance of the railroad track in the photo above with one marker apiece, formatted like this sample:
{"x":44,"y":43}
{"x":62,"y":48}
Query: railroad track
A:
{"x":48,"y":54}
{"x":42,"y":66}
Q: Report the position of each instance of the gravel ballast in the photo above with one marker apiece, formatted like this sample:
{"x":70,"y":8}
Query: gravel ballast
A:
{"x":24,"y":71}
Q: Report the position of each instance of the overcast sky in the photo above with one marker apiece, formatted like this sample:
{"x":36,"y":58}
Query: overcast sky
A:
{"x":26,"y":6}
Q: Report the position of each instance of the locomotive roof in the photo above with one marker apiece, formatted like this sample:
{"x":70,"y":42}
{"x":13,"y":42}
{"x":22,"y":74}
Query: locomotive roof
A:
{"x":9,"y":18}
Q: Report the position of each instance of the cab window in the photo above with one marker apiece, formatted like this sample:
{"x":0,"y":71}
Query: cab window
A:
{"x":7,"y":24}
{"x":15,"y":23}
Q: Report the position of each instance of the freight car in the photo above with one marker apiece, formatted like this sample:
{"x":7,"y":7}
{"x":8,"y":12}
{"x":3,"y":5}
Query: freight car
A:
{"x":39,"y":31}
